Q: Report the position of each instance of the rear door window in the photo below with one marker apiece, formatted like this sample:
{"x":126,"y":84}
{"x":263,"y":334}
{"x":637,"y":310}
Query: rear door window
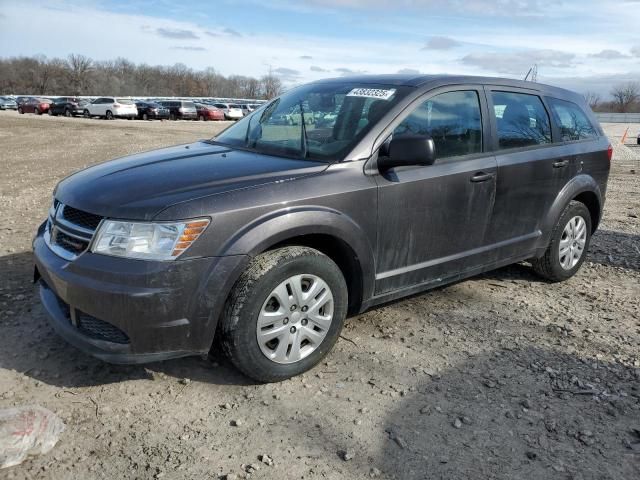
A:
{"x":573,"y":122}
{"x":452,"y":119}
{"x":521,"y":120}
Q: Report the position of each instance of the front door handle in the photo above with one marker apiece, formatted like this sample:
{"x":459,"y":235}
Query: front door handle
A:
{"x":481,"y":177}
{"x":560,"y":163}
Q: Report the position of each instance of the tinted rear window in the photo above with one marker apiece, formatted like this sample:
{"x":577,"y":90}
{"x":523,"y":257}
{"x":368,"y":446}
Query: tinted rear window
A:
{"x":521,"y":120}
{"x":188,"y":105}
{"x":125,"y":101}
{"x":573,"y":122}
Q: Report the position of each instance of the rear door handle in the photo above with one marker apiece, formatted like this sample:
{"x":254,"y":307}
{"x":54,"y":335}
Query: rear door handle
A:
{"x":481,"y":177}
{"x":560,"y":163}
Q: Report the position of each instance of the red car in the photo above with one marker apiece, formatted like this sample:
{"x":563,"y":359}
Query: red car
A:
{"x":206,"y":112}
{"x":35,"y":105}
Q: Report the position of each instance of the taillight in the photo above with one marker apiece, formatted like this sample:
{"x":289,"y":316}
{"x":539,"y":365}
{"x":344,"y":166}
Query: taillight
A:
{"x":115,"y":105}
{"x":609,"y":152}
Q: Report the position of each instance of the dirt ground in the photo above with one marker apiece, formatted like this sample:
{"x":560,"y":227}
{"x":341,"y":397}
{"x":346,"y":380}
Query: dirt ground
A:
{"x":502,"y":376}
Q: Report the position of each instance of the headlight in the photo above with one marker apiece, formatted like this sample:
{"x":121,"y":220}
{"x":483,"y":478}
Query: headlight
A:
{"x":150,"y":241}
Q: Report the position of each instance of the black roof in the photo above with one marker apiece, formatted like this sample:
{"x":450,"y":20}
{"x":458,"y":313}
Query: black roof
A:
{"x":432,"y":81}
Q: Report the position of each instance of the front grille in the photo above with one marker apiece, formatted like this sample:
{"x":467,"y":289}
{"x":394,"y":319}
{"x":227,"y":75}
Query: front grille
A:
{"x":69,"y":230}
{"x":71,"y":244}
{"x":80,"y":218}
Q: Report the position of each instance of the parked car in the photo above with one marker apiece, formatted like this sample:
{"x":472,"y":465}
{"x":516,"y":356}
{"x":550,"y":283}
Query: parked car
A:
{"x":110,"y":108}
{"x":151,"y":110}
{"x":208,"y":112}
{"x":21,"y":100}
{"x":231,"y":112}
{"x":246,"y":108}
{"x":270,"y":235}
{"x":35,"y":105}
{"x":7,"y":103}
{"x":67,"y":106}
{"x":180,"y":109}
{"x":638,"y":138}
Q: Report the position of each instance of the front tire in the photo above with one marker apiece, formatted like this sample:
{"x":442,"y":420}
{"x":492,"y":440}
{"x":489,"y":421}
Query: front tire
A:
{"x":284,"y":314}
{"x":86,"y":114}
{"x":67,"y":112}
{"x":20,"y":111}
{"x":568,"y":246}
{"x":37,"y":111}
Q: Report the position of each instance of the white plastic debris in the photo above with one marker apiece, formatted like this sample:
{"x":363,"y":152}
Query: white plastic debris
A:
{"x":27,"y":431}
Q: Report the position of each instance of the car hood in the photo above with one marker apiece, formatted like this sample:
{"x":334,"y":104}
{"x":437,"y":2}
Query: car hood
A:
{"x":140,"y":186}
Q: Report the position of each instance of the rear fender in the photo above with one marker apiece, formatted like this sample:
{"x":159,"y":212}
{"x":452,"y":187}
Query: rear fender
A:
{"x":577,"y":185}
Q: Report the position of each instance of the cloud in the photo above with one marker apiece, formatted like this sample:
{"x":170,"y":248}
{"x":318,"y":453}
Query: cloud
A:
{"x":635,"y":51}
{"x":347,"y":71}
{"x":305,"y":57}
{"x":409,"y":71}
{"x":211,"y":34}
{"x":519,"y":62}
{"x":232,"y":33}
{"x":287,"y":74}
{"x":189,"y":48}
{"x":441,"y":43}
{"x":177,"y":33}
{"x":609,"y":54}
{"x":503,"y":8}
{"x":314,"y":68}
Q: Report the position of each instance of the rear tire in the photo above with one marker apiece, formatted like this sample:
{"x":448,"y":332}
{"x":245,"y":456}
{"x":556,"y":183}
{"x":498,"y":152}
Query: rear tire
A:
{"x":20,"y":111}
{"x":109,"y":115}
{"x":50,"y":112}
{"x":201,"y":118}
{"x":86,"y":114}
{"x":306,"y":337}
{"x":37,"y":111}
{"x":145,"y":116}
{"x":172,"y":116}
{"x":555,"y":267}
{"x":67,"y":113}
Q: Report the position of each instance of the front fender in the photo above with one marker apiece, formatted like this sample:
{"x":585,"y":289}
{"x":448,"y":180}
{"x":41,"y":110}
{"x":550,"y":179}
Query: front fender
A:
{"x":281,"y":225}
{"x":577,"y":185}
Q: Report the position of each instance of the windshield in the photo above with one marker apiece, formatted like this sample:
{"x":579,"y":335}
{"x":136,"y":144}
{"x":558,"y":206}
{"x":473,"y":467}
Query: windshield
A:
{"x":336,"y":116}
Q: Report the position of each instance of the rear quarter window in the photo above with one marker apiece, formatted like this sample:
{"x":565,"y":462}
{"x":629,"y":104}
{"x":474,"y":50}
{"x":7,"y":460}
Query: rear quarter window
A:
{"x":572,"y":121}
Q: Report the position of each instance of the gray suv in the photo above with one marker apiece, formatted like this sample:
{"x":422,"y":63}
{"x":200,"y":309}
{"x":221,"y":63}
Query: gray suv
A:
{"x":267,"y":236}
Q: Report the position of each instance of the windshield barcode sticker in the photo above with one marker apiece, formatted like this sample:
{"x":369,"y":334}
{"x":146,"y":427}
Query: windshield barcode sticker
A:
{"x":372,"y":93}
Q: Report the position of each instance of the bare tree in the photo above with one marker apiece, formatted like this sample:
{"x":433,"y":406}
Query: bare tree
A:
{"x":80,"y":69}
{"x":593,"y":99}
{"x":271,"y":86}
{"x":625,"y":95}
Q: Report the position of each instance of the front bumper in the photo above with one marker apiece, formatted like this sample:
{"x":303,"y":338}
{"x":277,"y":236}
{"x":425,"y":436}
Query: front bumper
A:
{"x":136,"y":311}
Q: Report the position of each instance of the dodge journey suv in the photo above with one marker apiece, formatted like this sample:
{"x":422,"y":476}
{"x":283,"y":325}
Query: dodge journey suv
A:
{"x":268,"y":235}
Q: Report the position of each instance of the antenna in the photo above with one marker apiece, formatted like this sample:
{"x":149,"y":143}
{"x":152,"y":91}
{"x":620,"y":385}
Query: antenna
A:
{"x":533,"y":71}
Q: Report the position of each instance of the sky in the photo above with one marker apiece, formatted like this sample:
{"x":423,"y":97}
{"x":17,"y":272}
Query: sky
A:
{"x":585,"y":45}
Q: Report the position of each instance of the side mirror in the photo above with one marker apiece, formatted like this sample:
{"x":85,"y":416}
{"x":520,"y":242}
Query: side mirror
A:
{"x":408,"y":150}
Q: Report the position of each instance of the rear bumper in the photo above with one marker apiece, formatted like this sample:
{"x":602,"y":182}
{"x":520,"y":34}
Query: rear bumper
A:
{"x":154,"y":310}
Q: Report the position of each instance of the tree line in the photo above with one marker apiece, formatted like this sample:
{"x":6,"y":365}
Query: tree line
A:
{"x":625,"y":98}
{"x":80,"y":75}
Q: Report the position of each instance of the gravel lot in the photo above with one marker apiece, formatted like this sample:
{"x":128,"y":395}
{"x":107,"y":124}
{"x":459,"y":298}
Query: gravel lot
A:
{"x":502,"y":376}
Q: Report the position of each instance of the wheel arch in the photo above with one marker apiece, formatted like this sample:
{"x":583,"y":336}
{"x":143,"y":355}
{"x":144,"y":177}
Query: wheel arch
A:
{"x":582,"y":188}
{"x":323,"y":229}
